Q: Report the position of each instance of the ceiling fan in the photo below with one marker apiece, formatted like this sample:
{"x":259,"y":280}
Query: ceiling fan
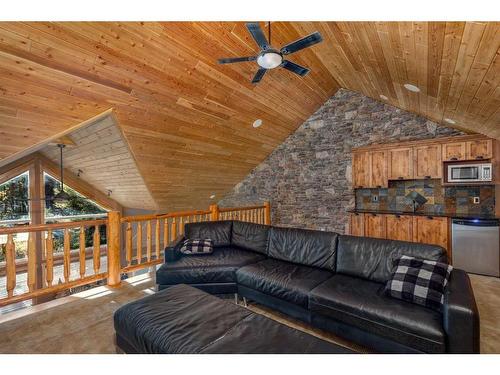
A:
{"x":270,"y":58}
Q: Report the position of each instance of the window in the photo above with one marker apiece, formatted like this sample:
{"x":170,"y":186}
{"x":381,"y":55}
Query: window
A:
{"x":77,"y":207}
{"x":15,"y":210}
{"x":14,"y":199}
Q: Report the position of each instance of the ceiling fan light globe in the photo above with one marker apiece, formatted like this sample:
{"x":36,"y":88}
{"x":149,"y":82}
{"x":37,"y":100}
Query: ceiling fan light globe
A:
{"x":269,"y":60}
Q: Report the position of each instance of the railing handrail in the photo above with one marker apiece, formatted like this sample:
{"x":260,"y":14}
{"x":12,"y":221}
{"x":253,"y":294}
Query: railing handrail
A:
{"x":53,"y":226}
{"x":128,"y":219}
{"x":246,"y":208}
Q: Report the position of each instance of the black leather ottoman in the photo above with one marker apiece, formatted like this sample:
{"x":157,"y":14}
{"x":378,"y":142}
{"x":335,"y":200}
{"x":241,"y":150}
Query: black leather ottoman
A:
{"x":183,"y":319}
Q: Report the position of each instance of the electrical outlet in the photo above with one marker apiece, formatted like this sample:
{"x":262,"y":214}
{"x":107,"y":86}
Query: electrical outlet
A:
{"x":476,"y":200}
{"x":374,"y":198}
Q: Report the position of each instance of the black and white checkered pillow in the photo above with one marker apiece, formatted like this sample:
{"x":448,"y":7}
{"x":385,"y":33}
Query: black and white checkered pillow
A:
{"x":419,"y":281}
{"x":190,"y":247}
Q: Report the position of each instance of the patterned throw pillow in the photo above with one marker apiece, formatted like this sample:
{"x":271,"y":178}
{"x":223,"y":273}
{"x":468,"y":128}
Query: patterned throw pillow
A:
{"x":192,"y":247}
{"x":419,"y":281}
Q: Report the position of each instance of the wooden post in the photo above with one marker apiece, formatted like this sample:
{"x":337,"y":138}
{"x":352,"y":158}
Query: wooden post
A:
{"x":267,"y":213}
{"x":214,"y":215}
{"x":114,"y":248}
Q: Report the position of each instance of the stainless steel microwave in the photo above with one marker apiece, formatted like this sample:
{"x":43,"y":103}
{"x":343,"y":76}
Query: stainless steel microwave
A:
{"x":480,"y":172}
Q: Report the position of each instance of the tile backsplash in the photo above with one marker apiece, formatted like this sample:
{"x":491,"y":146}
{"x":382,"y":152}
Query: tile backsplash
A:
{"x":440,"y":199}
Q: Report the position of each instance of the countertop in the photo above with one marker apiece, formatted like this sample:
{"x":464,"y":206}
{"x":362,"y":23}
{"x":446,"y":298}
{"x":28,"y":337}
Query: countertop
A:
{"x":424,"y":213}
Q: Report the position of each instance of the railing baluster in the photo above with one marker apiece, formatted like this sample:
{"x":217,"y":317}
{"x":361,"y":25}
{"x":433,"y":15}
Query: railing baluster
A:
{"x":10,"y":263}
{"x":157,"y":239}
{"x":128,"y":243}
{"x":166,"y":237}
{"x":82,"y":252}
{"x":31,"y":262}
{"x":174,"y":229}
{"x":181,"y":225}
{"x":49,"y":258}
{"x":66,"y":256}
{"x":139,"y":242}
{"x":97,"y":249}
{"x":148,"y":241}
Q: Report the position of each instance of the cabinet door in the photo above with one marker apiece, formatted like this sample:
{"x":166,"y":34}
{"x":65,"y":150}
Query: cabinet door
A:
{"x":378,"y":169}
{"x":480,"y":149}
{"x":375,"y":226}
{"x":361,"y":169}
{"x":431,"y":230}
{"x":428,"y":161}
{"x":399,"y":227}
{"x":357,"y":225}
{"x":401,"y":164}
{"x":454,"y":151}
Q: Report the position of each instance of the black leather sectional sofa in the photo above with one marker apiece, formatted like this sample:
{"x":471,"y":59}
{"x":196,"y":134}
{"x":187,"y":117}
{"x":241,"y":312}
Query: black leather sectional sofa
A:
{"x":334,"y":282}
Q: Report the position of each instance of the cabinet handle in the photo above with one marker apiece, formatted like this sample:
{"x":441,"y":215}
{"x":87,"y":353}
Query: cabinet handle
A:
{"x":398,"y":216}
{"x":427,"y":177}
{"x":453,"y":159}
{"x":479,"y":157}
{"x":374,"y":214}
{"x":401,"y":178}
{"x":379,"y":186}
{"x":430,"y":217}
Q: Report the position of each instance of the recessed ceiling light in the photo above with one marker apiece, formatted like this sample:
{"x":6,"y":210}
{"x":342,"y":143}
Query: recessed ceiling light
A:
{"x":411,"y":87}
{"x":450,"y":121}
{"x":212,"y":196}
{"x":257,"y":123}
{"x":383,"y":97}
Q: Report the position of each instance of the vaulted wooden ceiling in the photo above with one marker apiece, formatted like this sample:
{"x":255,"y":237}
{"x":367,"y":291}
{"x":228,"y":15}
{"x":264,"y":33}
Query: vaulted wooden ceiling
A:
{"x":188,"y":120}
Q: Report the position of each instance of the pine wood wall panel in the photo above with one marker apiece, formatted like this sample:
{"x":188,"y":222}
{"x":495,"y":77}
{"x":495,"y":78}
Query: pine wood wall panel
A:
{"x":188,"y":120}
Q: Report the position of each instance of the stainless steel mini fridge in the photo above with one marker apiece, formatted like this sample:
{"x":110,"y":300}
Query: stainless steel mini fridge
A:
{"x":476,"y":245}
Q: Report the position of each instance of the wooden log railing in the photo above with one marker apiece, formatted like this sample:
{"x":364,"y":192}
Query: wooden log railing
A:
{"x":141,"y":232}
{"x":40,"y":259}
{"x":255,"y":214}
{"x":144,"y":238}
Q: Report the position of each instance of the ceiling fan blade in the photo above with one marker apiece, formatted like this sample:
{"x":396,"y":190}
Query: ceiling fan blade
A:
{"x":258,"y":76}
{"x":302,"y":43}
{"x":296,"y":68}
{"x":258,"y":35}
{"x":230,"y":60}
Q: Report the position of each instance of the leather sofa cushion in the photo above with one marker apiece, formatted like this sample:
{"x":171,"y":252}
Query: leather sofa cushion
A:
{"x":287,"y":281}
{"x":302,"y":246}
{"x":250,"y":236}
{"x":363,"y":304}
{"x":218,"y":267}
{"x":372,"y":258}
{"x":218,"y":231}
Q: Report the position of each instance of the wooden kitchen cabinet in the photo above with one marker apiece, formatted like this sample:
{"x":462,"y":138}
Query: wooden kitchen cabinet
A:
{"x":361,"y":169}
{"x":427,"y":162}
{"x":454,"y":151}
{"x":357,"y":224}
{"x":400,"y":163}
{"x":431,"y":230}
{"x":375,"y":226}
{"x":479,"y":149}
{"x":399,"y":227}
{"x":378,"y":169}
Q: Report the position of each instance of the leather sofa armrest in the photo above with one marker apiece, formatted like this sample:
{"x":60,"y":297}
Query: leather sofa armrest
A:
{"x":460,"y":315}
{"x":172,"y":251}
